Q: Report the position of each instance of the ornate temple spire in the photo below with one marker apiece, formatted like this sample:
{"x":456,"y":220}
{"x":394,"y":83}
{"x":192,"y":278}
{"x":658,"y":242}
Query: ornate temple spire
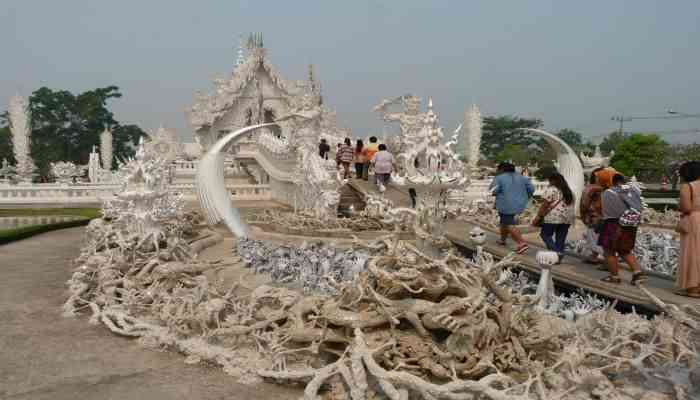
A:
{"x":240,"y":58}
{"x":314,"y":85}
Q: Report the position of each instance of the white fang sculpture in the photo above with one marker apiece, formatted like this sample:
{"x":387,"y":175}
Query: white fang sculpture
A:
{"x":211,"y":189}
{"x":106,"y":149}
{"x":568,"y":163}
{"x":20,"y":126}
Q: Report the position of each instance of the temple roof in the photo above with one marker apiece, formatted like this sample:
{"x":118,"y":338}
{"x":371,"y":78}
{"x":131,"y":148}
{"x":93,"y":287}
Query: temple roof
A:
{"x":207,"y":108}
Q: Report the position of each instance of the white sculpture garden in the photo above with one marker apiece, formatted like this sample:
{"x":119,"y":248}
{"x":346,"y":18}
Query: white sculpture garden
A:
{"x":376,"y":304}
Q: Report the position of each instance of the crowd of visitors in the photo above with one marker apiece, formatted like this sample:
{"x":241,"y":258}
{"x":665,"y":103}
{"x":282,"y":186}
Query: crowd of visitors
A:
{"x":364,"y":157}
{"x":611,"y":210}
{"x":609,"y":207}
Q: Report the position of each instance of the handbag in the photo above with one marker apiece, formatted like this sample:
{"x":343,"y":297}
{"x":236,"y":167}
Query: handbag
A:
{"x":683,"y":226}
{"x":539,"y":218}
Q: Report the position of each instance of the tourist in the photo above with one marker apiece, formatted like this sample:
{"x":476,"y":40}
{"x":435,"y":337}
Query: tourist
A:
{"x":369,"y":151}
{"x":557,"y":213}
{"x":513,"y":192}
{"x":414,"y":197}
{"x":337,"y":156}
{"x":615,"y":239}
{"x":323,"y":149}
{"x":359,"y":159}
{"x":688,"y":276}
{"x":383,"y":166}
{"x":590,"y":211}
{"x":345,"y":154}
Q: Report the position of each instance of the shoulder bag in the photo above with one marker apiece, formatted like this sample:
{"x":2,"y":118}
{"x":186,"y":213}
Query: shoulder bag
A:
{"x":539,"y":218}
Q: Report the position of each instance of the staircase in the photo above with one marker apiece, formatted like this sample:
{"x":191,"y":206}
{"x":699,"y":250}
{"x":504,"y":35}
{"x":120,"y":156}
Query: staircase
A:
{"x":349,"y":196}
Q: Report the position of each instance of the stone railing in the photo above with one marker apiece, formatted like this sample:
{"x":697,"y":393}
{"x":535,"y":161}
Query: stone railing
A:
{"x":480,"y":189}
{"x":57,"y":195}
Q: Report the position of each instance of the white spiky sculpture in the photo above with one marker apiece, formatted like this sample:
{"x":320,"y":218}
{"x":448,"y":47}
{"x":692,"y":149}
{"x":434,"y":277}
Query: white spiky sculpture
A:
{"x":21,"y":138}
{"x":106,"y":149}
{"x":472,"y":139}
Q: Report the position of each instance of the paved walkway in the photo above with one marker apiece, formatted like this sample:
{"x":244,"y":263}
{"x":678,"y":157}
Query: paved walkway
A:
{"x":46,"y":356}
{"x":572,"y":273}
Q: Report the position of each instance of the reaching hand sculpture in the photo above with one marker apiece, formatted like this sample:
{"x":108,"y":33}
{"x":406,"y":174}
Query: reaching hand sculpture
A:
{"x":211,"y":189}
{"x":410,"y":121}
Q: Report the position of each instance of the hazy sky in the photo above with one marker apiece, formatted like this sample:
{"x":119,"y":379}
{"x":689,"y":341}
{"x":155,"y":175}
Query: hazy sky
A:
{"x":573,"y":63}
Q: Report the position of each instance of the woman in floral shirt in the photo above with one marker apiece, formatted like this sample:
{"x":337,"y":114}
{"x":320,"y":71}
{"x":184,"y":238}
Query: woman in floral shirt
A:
{"x":559,"y":214}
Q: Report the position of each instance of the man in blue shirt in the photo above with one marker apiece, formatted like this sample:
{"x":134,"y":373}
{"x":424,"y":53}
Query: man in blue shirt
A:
{"x":513,"y":191}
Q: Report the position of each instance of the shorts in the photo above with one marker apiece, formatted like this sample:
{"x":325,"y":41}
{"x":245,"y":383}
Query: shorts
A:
{"x":617,"y":239}
{"x":508,"y":219}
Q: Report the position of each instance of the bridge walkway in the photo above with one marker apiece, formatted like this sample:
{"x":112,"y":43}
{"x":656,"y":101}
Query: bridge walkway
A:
{"x":572,"y":273}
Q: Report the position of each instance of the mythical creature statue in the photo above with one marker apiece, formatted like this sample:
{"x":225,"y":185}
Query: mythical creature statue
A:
{"x":410,"y":121}
{"x":65,"y":171}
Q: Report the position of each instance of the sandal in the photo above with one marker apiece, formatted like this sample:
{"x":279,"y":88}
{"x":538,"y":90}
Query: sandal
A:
{"x":639,"y":277}
{"x":522,"y":248}
{"x":612,"y":279}
{"x":602,"y":267}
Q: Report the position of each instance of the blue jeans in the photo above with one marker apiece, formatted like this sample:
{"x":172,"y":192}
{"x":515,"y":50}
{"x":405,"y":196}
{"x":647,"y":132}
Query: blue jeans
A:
{"x":559,"y":232}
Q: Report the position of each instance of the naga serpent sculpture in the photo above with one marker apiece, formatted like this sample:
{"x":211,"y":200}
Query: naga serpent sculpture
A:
{"x":211,"y":188}
{"x":569,"y":164}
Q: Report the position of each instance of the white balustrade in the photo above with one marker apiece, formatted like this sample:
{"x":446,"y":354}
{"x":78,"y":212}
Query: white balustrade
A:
{"x":47,"y":194}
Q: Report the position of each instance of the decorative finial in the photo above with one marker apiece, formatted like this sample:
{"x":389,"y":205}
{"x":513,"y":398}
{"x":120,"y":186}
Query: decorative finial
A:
{"x":240,"y":59}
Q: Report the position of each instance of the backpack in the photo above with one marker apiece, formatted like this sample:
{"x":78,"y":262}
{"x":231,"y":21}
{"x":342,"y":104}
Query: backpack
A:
{"x":631,"y":217}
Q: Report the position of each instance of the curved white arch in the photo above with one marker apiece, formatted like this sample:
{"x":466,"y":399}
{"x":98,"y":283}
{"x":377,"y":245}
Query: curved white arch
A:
{"x":569,"y":164}
{"x":211,"y":189}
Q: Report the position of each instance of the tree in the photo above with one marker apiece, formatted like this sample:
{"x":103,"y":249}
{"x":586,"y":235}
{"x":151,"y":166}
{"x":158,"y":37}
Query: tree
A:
{"x":65,"y":127}
{"x":678,"y":154}
{"x":641,"y":155}
{"x":612,"y":141}
{"x":517,"y":154}
{"x":6,"y":144}
{"x":576,"y":141}
{"x":500,"y":131}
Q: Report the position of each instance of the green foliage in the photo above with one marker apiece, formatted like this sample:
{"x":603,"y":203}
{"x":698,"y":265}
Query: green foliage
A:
{"x":641,"y":155}
{"x":65,"y":127}
{"x":6,"y":145}
{"x":511,"y":152}
{"x":612,"y":141}
{"x":22,"y":212}
{"x":12,"y":235}
{"x":576,"y":141}
{"x":501,"y":131}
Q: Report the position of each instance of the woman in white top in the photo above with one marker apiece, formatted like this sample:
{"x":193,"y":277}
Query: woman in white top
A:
{"x":559,"y":214}
{"x":383,"y":166}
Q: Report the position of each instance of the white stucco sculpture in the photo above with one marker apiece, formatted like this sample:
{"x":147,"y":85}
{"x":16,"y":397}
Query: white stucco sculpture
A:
{"x":65,"y":171}
{"x":568,"y":162}
{"x":596,"y":160}
{"x":472,"y":136}
{"x":410,"y":121}
{"x":211,"y":189}
{"x":20,"y":126}
{"x":106,"y":149}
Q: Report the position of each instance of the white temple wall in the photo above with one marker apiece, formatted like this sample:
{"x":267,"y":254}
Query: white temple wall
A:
{"x":282,"y":192}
